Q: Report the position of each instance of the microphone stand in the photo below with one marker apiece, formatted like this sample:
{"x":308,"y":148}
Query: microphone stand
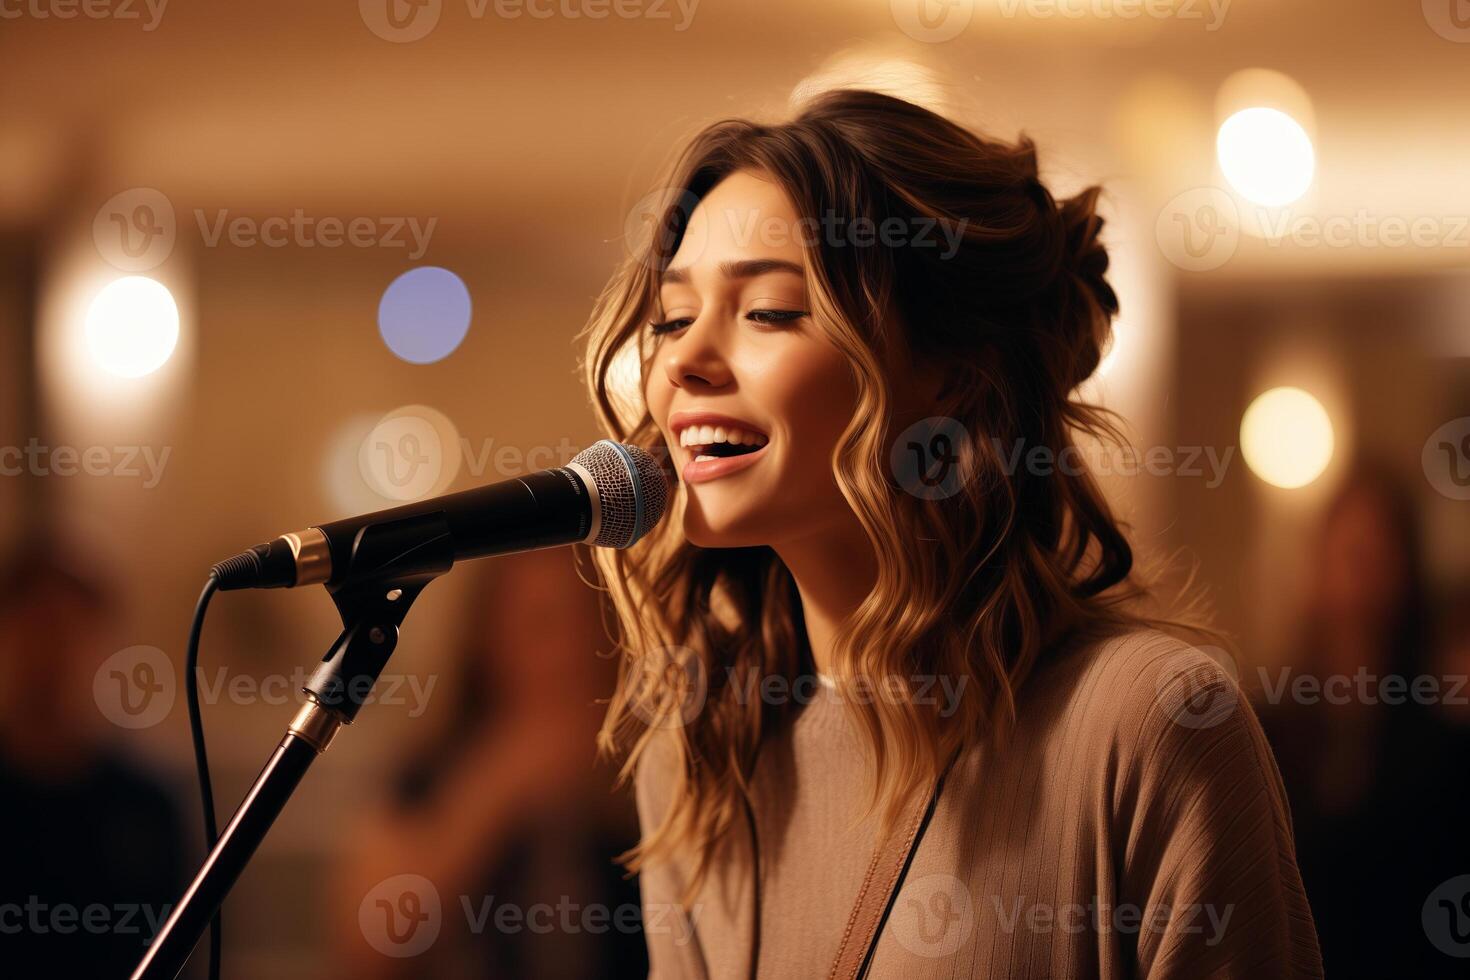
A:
{"x":389,"y":566}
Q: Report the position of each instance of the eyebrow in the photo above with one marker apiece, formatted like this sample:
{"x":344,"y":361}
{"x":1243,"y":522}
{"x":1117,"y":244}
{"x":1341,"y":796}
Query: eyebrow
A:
{"x":743,"y":269}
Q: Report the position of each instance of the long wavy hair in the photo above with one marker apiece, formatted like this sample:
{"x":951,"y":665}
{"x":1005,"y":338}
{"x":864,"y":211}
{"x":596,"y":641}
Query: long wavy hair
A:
{"x":974,"y":586}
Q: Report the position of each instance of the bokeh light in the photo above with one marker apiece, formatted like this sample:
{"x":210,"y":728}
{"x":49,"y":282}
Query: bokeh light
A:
{"x":132,"y":326}
{"x":424,"y":314}
{"x":878,"y":68}
{"x":1110,"y":352}
{"x":1286,"y":437}
{"x":1266,"y":156}
{"x":411,"y":453}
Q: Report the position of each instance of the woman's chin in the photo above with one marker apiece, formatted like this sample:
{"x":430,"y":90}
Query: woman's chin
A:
{"x":719,"y":530}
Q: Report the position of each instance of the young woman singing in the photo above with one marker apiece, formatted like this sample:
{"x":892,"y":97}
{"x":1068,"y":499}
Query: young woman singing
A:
{"x":891,"y":698}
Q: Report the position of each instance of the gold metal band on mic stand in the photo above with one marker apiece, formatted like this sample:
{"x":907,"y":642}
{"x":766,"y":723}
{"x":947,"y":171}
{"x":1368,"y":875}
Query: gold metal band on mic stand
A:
{"x":316,"y":724}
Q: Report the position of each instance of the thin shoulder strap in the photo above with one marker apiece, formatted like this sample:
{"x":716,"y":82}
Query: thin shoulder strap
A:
{"x":879,"y":890}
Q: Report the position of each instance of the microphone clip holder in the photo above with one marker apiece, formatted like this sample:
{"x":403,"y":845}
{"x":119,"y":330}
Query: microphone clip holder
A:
{"x":389,"y":565}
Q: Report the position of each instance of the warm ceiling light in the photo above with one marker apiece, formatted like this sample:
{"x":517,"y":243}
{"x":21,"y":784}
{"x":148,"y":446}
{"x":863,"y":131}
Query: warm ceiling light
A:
{"x":1286,"y":437}
{"x":132,"y":326}
{"x":1266,"y":155}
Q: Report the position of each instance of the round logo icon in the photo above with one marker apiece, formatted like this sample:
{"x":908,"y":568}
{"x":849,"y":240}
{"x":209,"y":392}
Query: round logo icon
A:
{"x":410,"y":454}
{"x":667,"y":688}
{"x":932,"y":21}
{"x":401,"y":916}
{"x":933,"y":916}
{"x":1449,"y":19}
{"x":1446,"y":459}
{"x":135,"y":687}
{"x":1446,"y":917}
{"x":1199,"y":695}
{"x":135,"y":230}
{"x":1199,"y":229}
{"x":931,"y":459}
{"x":655,"y":218}
{"x":400,"y":21}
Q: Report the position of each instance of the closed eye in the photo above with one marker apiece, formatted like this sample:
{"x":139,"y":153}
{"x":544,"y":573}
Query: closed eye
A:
{"x":768,"y":317}
{"x":775,"y":316}
{"x":669,"y":326}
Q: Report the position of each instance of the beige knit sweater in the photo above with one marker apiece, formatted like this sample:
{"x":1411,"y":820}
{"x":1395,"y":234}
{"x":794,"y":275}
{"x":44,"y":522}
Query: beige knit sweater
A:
{"x":1135,"y":826}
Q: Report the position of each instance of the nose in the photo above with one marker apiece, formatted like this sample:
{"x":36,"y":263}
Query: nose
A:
{"x":694,"y":359}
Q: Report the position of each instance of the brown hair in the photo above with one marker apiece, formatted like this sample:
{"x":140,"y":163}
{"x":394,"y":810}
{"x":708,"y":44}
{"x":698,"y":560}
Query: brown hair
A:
{"x":1015,"y":318}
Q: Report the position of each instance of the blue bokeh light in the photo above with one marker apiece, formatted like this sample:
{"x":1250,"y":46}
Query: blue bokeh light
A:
{"x":424,"y":314}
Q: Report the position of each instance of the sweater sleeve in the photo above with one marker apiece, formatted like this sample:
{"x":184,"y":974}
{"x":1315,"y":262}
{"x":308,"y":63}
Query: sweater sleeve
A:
{"x":1208,"y":863}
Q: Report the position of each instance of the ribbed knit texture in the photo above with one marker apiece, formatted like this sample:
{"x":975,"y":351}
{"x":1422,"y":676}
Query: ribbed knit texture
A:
{"x":1135,"y":825}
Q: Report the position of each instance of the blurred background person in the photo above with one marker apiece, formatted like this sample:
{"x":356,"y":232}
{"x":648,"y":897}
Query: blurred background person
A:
{"x":92,"y":846}
{"x":508,"y":805}
{"x":1379,"y":818}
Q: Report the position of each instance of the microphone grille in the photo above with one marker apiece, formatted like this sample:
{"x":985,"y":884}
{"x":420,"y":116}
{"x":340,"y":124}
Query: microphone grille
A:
{"x":631,"y":490}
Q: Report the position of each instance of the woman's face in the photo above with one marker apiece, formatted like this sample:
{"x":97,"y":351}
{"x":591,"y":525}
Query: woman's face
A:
{"x":738,"y":357}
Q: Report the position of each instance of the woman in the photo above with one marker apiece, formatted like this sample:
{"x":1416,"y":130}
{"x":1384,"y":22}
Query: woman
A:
{"x":859,"y":332}
{"x":1363,"y":761}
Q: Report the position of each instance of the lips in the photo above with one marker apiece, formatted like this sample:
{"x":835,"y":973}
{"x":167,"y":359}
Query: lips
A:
{"x":716,"y":445}
{"x":701,"y":430}
{"x":702,"y":469}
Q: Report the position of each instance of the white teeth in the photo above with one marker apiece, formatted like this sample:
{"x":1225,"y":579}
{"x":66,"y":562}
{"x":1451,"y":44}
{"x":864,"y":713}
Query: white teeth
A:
{"x":706,"y":435}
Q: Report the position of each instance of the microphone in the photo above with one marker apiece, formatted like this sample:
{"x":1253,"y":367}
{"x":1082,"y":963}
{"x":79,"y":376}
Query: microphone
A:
{"x":610,"y":495}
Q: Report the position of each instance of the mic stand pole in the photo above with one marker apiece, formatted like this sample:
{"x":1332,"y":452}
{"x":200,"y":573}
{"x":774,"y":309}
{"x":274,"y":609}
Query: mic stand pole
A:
{"x":403,"y":557}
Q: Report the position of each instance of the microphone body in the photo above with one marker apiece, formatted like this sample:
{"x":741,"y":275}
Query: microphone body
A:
{"x":609,"y":495}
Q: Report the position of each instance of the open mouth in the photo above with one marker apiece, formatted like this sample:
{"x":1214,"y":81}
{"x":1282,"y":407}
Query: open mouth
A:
{"x":722,"y":450}
{"x":706,"y":442}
